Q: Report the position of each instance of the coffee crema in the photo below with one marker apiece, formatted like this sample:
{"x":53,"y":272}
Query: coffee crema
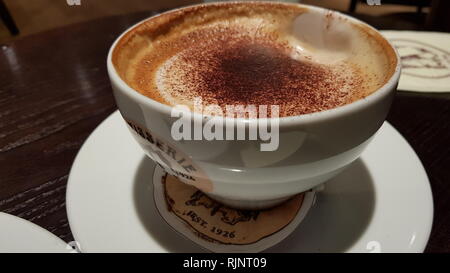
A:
{"x":254,"y":54}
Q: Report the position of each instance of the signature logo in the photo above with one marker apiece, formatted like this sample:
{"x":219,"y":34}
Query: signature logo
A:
{"x":171,"y":159}
{"x":231,"y":217}
{"x":423,"y":60}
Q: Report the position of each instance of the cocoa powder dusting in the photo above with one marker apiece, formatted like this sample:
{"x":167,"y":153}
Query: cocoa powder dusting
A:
{"x":239,"y":53}
{"x":233,"y":66}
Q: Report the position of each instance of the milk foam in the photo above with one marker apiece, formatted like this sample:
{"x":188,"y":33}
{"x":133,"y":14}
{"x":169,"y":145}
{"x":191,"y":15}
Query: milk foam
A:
{"x":337,"y":61}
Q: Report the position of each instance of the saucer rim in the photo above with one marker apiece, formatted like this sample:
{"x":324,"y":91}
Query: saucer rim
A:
{"x":418,"y":246}
{"x":53,"y":244}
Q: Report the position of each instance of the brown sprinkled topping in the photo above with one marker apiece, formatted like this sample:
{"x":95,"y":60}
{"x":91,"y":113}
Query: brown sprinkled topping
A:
{"x":235,"y":66}
{"x":237,"y":53}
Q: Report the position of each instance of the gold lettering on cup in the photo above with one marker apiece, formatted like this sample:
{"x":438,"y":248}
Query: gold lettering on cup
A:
{"x":172,"y":159}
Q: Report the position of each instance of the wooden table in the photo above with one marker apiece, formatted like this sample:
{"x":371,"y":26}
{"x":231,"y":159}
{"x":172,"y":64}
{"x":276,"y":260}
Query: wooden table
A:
{"x":54,"y":90}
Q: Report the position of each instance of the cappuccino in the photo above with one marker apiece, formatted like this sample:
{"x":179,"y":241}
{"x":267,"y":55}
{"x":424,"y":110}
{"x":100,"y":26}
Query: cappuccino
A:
{"x":254,"y":54}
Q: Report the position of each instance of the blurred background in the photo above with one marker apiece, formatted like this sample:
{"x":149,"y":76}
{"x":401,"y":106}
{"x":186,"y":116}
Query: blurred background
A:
{"x":26,"y":17}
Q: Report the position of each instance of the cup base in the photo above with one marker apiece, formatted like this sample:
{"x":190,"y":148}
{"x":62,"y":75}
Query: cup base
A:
{"x":249,"y":204}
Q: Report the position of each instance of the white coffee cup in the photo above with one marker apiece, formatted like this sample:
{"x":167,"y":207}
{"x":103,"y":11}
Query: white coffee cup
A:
{"x":312,"y":147}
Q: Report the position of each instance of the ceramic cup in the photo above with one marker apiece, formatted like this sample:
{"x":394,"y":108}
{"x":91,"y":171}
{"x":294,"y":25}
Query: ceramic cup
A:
{"x":312,"y":147}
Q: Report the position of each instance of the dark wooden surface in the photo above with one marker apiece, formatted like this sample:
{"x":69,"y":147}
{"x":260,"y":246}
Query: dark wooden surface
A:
{"x":54,"y":91}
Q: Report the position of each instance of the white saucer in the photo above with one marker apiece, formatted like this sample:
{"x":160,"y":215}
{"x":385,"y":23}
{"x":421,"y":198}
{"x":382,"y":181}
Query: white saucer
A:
{"x":382,"y":202}
{"x":21,"y":236}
